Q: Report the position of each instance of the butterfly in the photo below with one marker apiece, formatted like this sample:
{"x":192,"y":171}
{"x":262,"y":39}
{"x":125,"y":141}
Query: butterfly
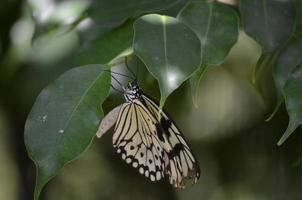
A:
{"x":149,"y":140}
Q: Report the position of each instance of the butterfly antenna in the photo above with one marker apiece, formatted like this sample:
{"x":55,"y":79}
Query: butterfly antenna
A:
{"x":119,"y":91}
{"x":117,"y":73}
{"x":137,"y":62}
{"x":127,"y":66}
{"x":120,"y":84}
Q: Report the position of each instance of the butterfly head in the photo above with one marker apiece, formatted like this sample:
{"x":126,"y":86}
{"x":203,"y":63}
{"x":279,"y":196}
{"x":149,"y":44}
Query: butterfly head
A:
{"x":132,"y":91}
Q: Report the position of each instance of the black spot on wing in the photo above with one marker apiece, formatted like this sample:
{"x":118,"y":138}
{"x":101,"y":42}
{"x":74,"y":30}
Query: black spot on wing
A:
{"x":175,"y":150}
{"x":163,"y":128}
{"x":160,"y":132}
{"x":166,"y":124}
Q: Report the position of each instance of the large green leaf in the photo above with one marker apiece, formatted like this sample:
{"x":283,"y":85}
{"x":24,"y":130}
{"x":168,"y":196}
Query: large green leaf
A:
{"x":293,"y":101}
{"x":288,"y":58}
{"x":106,"y":47}
{"x":269,"y":22}
{"x":216,"y":26}
{"x":169,"y":49}
{"x":114,"y":12}
{"x":64,"y":119}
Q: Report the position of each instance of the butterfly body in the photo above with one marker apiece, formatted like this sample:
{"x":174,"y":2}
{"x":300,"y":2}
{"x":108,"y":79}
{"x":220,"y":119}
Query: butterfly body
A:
{"x":155,"y":146}
{"x":132,"y":92}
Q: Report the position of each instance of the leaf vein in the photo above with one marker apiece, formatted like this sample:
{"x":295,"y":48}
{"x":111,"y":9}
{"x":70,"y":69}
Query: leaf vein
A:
{"x":80,"y":101}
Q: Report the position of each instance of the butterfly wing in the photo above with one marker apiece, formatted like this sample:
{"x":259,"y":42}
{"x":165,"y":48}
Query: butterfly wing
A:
{"x":181,"y":164}
{"x":153,"y":146}
{"x":136,"y":140}
{"x":108,"y":121}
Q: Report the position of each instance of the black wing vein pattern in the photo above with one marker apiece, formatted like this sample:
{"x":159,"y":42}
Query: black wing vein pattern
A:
{"x":155,"y":147}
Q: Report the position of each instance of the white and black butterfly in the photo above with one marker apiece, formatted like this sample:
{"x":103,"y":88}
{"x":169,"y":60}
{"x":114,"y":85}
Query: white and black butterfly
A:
{"x":152,"y":144}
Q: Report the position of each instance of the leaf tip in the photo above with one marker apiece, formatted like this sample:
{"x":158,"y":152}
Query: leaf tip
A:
{"x":280,"y":100}
{"x":37,"y":194}
{"x":290,"y":129}
{"x":281,"y":141}
{"x":195,"y":102}
{"x":162,"y":102}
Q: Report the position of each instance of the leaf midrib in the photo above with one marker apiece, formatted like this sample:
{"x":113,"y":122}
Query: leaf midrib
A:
{"x":207,"y":31}
{"x":165,"y":40}
{"x":265,"y":17}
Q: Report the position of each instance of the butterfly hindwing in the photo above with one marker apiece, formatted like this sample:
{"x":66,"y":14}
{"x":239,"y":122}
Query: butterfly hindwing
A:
{"x":135,"y":139}
{"x":108,"y":121}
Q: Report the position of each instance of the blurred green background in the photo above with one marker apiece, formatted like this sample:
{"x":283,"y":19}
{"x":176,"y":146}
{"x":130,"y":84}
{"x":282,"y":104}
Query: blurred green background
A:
{"x":235,"y":147}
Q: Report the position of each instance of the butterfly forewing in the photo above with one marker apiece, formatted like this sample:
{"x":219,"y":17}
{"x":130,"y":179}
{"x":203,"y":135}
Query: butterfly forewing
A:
{"x":182,"y":164}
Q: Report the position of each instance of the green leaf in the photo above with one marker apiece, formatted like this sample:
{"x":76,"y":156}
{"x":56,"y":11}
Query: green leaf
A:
{"x":288,"y":59}
{"x":269,"y":22}
{"x":293,"y":101}
{"x":105,"y":48}
{"x":216,"y":26}
{"x":287,"y":74}
{"x":169,"y":49}
{"x":114,"y":12}
{"x":64,"y":119}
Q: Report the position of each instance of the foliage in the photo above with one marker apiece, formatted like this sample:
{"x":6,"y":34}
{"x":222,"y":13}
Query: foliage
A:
{"x":62,"y":105}
{"x":174,"y":48}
